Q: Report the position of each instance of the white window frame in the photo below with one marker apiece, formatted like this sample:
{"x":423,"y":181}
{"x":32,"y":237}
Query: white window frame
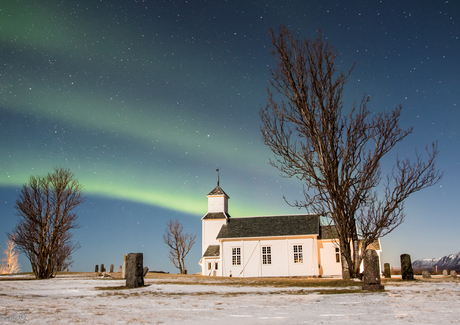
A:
{"x":236,"y":256}
{"x":267,"y":255}
{"x":298,"y":253}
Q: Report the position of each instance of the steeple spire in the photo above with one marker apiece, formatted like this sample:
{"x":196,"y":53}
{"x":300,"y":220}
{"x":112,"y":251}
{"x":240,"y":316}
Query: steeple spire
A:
{"x":217,"y":170}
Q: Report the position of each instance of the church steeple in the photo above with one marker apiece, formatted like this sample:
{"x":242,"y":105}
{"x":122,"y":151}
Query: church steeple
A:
{"x":217,"y":199}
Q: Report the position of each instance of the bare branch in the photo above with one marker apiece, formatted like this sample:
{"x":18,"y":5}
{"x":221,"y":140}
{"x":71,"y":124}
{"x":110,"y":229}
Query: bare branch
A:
{"x":179,"y":244}
{"x":44,"y":208}
{"x":336,"y":157}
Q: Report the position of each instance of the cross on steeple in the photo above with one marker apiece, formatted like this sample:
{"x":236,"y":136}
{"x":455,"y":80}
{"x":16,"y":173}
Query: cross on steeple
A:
{"x":217,"y":170}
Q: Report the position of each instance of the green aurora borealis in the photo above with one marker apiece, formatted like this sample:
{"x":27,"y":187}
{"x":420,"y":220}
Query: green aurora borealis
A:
{"x":144,"y":100}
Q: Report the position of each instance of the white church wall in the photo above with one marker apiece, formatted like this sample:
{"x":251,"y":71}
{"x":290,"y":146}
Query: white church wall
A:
{"x":281,"y":256}
{"x":328,"y":258}
{"x":309,"y":264}
{"x":210,"y":230}
{"x":211,"y":266}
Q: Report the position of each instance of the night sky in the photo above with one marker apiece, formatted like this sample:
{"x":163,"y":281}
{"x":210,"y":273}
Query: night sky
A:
{"x":144,"y":100}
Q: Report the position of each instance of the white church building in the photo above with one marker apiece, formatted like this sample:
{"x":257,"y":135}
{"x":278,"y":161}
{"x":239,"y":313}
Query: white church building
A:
{"x":264,"y":246}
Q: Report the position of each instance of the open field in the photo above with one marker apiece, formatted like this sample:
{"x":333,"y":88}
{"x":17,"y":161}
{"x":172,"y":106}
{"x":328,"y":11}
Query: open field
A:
{"x":73,"y":298}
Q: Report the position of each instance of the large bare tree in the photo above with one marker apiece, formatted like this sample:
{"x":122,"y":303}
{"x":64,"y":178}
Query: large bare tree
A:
{"x":337,"y":156}
{"x":179,"y":243}
{"x":45,"y":210}
{"x":11,"y":264}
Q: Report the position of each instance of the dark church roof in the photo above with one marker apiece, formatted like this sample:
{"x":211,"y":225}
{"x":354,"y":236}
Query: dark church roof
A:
{"x":218,"y":191}
{"x":216,"y":215}
{"x":212,"y":250}
{"x":329,"y":232}
{"x":291,"y":225}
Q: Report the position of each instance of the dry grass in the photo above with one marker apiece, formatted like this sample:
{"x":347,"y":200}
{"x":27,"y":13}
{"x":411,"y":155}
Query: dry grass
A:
{"x":323,"y":285}
{"x":278,"y":282}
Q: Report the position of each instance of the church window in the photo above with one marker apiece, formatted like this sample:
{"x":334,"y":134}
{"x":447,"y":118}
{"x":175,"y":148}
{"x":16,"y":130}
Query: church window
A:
{"x":216,"y":265}
{"x":266,"y":255}
{"x":236,"y":255}
{"x":209,"y":266}
{"x":337,"y":255}
{"x":298,"y":255}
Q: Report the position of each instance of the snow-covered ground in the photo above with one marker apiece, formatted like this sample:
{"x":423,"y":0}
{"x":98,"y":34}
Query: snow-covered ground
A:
{"x":76,"y":299}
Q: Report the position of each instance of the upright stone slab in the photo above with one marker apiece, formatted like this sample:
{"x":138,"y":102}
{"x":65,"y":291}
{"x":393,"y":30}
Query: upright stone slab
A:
{"x":111,"y":268}
{"x":134,"y":270}
{"x":453,"y":273}
{"x":387,"y":270}
{"x":407,"y":273}
{"x":371,"y":277}
{"x":96,"y":269}
{"x":102,"y":268}
{"x":120,"y":269}
{"x":426,"y":275}
{"x":123,"y":276}
{"x":445,"y":273}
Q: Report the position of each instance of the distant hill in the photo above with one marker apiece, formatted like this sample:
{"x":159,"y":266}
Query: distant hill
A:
{"x":449,"y":262}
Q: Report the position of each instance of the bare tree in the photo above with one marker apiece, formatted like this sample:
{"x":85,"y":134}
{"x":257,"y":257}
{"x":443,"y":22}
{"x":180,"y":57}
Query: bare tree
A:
{"x":11,"y":264}
{"x":44,"y":208}
{"x":179,"y":244}
{"x":64,"y":256}
{"x":337,"y":157}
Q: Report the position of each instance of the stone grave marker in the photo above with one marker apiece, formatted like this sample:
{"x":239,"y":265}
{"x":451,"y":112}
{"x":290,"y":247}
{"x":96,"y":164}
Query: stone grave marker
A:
{"x":111,"y":268}
{"x":453,"y":273}
{"x":134,"y":270}
{"x":445,"y":273}
{"x":371,"y":277}
{"x":407,"y":273}
{"x":426,"y":275}
{"x":387,"y":270}
{"x":96,"y":269}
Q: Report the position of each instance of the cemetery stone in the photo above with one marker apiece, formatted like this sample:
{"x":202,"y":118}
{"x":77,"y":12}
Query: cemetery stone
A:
{"x":453,"y":273}
{"x":96,"y":269}
{"x":111,"y":268}
{"x":426,"y":275}
{"x":134,"y":270}
{"x":387,"y":270}
{"x":371,"y":271}
{"x":445,"y":273}
{"x":407,"y":273}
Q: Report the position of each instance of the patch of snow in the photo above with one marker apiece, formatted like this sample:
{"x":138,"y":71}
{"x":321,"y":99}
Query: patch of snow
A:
{"x":77,"y":300}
